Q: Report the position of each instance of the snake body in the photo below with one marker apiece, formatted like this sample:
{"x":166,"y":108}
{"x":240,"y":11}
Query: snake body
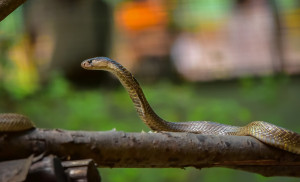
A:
{"x":11,"y":122}
{"x":263,"y":131}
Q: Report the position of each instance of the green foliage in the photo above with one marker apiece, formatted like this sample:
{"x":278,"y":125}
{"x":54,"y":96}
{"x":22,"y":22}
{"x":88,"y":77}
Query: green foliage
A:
{"x":18,"y":74}
{"x":269,"y":86}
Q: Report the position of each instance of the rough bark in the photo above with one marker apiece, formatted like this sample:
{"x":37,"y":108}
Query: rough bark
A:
{"x":157,"y":150}
{"x":8,"y":6}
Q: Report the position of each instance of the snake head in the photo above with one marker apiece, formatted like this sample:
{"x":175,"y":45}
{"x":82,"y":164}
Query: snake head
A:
{"x":97,"y":63}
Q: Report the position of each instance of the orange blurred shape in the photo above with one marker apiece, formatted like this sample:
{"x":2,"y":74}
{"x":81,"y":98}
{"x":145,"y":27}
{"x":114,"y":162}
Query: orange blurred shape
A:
{"x":135,"y":16}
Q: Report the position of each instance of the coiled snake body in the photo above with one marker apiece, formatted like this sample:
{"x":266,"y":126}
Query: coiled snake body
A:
{"x":10,"y":122}
{"x":263,"y":131}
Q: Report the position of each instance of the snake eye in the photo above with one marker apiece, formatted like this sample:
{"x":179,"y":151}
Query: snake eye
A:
{"x":90,"y":61}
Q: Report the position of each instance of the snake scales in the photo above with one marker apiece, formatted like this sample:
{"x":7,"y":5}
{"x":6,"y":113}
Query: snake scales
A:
{"x":263,"y":131}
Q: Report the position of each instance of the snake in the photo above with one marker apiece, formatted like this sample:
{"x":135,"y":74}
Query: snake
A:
{"x":13,"y":122}
{"x":267,"y":133}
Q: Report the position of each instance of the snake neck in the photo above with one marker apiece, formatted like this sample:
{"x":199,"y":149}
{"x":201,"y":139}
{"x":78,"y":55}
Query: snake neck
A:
{"x":138,"y":98}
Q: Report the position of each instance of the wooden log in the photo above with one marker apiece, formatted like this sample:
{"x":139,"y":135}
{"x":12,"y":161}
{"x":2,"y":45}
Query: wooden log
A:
{"x":167,"y":149}
{"x":82,"y":170}
{"x":47,"y":169}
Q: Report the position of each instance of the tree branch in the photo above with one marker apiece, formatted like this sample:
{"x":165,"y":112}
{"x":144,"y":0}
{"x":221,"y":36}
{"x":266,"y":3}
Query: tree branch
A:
{"x":167,"y":149}
{"x":8,"y":6}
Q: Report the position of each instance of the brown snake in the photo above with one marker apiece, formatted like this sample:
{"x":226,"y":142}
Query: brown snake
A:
{"x":10,"y":122}
{"x":263,"y":131}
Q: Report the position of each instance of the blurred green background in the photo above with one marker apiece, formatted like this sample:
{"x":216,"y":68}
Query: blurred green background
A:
{"x":36,"y":78}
